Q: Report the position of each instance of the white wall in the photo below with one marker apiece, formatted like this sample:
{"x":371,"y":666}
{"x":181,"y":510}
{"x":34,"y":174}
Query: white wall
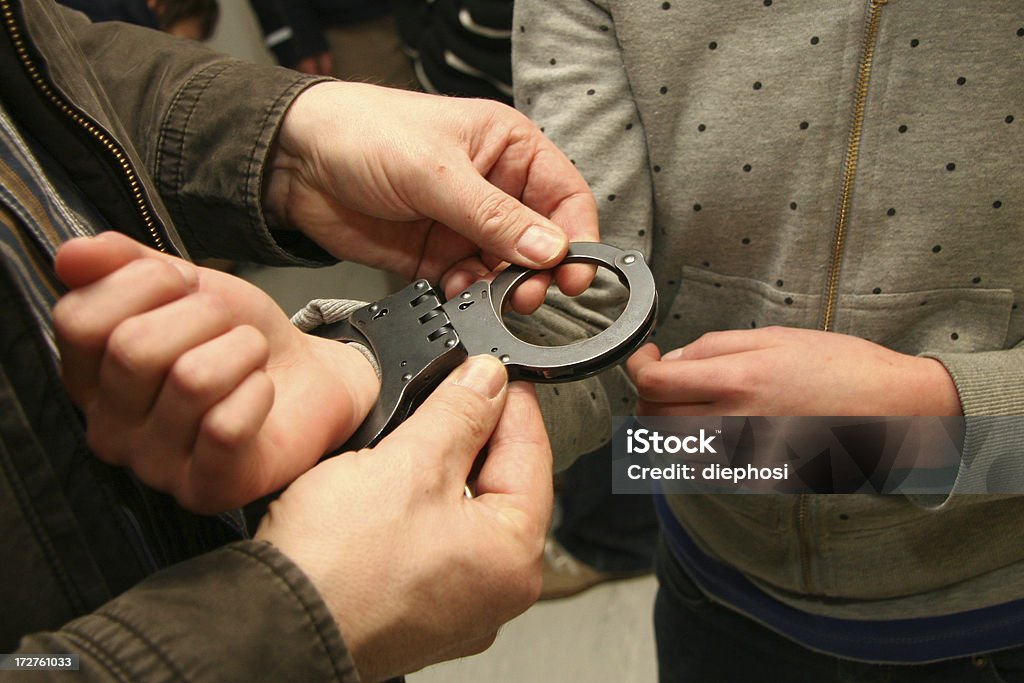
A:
{"x":238,"y":33}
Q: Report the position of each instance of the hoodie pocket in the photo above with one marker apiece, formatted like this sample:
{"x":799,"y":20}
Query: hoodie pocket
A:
{"x":936,"y":320}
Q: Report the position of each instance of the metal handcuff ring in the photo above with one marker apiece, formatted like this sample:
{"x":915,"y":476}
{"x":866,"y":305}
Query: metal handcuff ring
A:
{"x":418,"y":338}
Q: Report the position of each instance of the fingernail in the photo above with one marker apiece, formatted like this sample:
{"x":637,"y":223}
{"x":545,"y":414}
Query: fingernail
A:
{"x":674,"y":354}
{"x":541,"y":244}
{"x":483,"y":374}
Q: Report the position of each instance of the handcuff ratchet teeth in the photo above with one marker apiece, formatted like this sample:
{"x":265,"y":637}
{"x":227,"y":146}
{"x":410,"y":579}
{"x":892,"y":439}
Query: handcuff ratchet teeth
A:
{"x":418,"y":338}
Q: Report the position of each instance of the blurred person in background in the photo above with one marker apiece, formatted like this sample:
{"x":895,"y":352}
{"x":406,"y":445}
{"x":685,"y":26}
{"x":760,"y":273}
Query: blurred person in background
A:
{"x":354,"y":40}
{"x":191,"y":19}
{"x":459,"y":47}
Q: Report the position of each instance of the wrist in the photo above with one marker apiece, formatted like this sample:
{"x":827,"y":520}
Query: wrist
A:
{"x":285,"y":160}
{"x":935,"y":389}
{"x":357,"y":382}
{"x":326,"y":574}
{"x":339,"y":554}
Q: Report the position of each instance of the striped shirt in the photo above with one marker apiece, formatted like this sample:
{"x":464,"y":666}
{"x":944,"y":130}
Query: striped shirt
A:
{"x":40,"y":209}
{"x":36,"y":217}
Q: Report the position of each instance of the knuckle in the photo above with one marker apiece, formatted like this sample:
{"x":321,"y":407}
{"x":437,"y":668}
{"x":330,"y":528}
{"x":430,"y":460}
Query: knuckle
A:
{"x":648,"y":379}
{"x":156,"y":272}
{"x":702,"y":345}
{"x":192,"y":378}
{"x":495,"y":216}
{"x":524,"y":560}
{"x":130,"y":347}
{"x":228,"y":430}
{"x":465,"y":413}
{"x":212,"y":305}
{"x":524,"y":586}
{"x":72,"y":324}
{"x":479,"y":645}
{"x":155,"y":276}
{"x":457,"y":401}
{"x":161,"y":473}
{"x":223,"y":431}
{"x":738,"y":381}
{"x":532,"y":586}
{"x":253,"y":343}
{"x":192,"y":502}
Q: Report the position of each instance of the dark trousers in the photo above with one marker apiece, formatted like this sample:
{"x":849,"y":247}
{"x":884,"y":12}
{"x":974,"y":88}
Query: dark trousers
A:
{"x":609,"y":532}
{"x":700,"y":641}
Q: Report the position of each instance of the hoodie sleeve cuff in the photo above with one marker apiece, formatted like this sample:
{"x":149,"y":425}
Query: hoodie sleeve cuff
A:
{"x":991,"y":388}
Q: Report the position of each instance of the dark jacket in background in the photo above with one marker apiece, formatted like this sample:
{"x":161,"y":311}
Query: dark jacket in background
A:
{"x":294,"y":29}
{"x":460,"y":47}
{"x":130,"y":11}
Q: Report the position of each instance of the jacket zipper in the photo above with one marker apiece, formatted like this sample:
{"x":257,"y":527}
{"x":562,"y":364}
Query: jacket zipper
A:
{"x":142,"y":205}
{"x":835,"y":264}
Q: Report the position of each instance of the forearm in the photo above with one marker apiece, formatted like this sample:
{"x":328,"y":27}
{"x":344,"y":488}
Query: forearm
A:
{"x":570,"y":80}
{"x":568,"y":53}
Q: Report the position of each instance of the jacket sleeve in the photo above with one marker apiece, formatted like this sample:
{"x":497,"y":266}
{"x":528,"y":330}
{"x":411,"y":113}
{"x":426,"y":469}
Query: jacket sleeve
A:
{"x":602,"y":133}
{"x":203,"y":125}
{"x":241,"y":613}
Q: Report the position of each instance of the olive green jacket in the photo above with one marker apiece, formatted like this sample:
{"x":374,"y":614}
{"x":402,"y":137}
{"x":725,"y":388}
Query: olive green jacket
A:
{"x":166,"y":141}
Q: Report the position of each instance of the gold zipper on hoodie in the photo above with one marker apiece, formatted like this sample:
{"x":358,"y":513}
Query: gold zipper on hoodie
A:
{"x":842,"y":216}
{"x":82,"y":121}
{"x":850,"y":163}
{"x":804,"y":543}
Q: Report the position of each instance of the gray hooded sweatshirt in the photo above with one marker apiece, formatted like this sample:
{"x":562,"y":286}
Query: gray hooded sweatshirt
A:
{"x":850,"y":166}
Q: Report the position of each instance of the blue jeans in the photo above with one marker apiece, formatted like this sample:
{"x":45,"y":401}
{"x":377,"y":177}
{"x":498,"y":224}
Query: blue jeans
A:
{"x":701,"y":641}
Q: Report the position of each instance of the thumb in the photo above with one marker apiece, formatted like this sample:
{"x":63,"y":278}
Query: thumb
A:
{"x":644,"y":356}
{"x":499,"y":223}
{"x":84,"y":260}
{"x":517,"y":473}
{"x":455,"y":422}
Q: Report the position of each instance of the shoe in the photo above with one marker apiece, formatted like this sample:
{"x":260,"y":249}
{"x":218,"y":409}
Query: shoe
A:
{"x":565,"y":576}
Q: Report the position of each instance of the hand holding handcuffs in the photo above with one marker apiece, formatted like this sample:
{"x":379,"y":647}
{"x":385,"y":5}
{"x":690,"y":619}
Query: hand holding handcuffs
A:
{"x":418,"y":338}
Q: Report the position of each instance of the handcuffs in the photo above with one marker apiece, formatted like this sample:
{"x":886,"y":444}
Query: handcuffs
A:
{"x":418,"y":338}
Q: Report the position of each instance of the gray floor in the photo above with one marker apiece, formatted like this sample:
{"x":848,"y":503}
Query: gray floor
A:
{"x":602,"y":635}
